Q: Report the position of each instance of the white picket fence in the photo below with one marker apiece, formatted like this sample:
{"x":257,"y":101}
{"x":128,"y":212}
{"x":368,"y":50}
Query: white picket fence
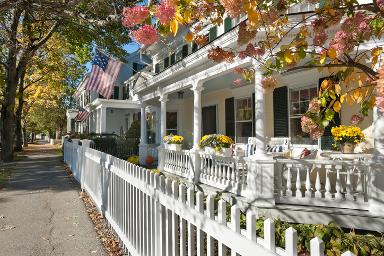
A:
{"x":154,"y":215}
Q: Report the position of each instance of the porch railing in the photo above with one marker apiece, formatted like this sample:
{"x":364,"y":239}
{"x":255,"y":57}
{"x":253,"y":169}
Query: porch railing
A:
{"x":342,"y":184}
{"x":178,"y":162}
{"x":226,"y":173}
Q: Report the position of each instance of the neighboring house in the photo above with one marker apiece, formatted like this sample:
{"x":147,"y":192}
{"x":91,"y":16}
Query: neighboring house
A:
{"x":186,"y":93}
{"x":113,"y":115}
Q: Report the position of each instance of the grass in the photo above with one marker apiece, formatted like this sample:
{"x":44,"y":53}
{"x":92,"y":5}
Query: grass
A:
{"x":20,"y":157}
{"x":5,"y":174}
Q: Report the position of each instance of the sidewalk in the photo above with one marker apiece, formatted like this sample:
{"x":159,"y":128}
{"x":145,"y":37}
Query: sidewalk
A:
{"x":41,"y":212}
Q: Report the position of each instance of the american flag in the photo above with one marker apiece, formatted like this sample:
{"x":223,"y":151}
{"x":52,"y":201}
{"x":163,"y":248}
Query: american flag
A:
{"x":82,"y":115}
{"x":103,"y":75}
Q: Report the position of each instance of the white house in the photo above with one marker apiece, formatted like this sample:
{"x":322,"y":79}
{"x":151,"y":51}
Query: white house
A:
{"x":113,"y":115}
{"x":192,"y":96}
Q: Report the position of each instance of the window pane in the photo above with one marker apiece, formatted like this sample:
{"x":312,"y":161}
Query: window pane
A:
{"x":295,"y":108}
{"x":171,"y":120}
{"x":304,"y":106}
{"x":244,"y":109}
{"x":313,"y":92}
{"x":297,"y":135}
{"x":294,"y":95}
{"x":243,"y":131}
{"x":171,"y":132}
{"x":304,"y":94}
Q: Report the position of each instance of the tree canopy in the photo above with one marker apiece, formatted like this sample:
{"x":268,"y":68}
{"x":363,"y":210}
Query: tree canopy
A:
{"x":340,"y":38}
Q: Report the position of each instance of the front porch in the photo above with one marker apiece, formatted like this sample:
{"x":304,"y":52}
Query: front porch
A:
{"x":261,"y":178}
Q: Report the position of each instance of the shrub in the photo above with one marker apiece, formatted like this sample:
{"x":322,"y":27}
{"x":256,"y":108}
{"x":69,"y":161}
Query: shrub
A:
{"x":133,"y":160}
{"x":216,"y":141}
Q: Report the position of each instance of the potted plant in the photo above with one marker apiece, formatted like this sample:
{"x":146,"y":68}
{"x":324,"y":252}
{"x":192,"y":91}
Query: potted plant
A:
{"x":347,"y":137}
{"x":217,"y":144}
{"x":173,"y":142}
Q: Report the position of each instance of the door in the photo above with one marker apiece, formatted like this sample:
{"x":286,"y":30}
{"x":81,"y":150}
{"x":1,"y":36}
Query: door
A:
{"x":209,"y":120}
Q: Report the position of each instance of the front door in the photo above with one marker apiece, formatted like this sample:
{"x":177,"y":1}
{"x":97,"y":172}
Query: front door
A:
{"x":209,"y":120}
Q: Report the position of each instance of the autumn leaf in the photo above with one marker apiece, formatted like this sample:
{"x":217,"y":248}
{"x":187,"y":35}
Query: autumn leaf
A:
{"x":356,"y":94}
{"x":174,"y":26}
{"x":332,"y":53}
{"x":324,"y":84}
{"x":323,"y":57}
{"x":343,"y":97}
{"x":337,"y":106}
{"x":337,"y":88}
{"x":288,"y":58}
{"x":188,"y":37}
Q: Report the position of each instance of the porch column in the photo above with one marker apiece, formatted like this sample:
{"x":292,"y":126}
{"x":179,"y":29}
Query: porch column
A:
{"x":103,"y":120}
{"x":143,"y":147}
{"x":163,"y":128}
{"x":197,"y":88}
{"x":260,"y":176}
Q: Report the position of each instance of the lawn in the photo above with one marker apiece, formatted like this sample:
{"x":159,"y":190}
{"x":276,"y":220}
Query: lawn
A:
{"x":5,"y":173}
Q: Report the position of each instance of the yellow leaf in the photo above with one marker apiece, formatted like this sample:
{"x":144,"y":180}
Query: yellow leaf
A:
{"x":376,"y":51}
{"x":322,"y":57}
{"x":342,"y":98}
{"x":337,"y":106}
{"x":179,"y":18}
{"x":337,"y":88}
{"x":188,"y":37}
{"x":332,"y":94}
{"x":356,"y":94}
{"x":350,"y":100}
{"x":374,"y":60}
{"x":174,"y":26}
{"x":187,"y":16}
{"x":288,"y":58}
{"x":332,"y":53}
{"x":372,"y":101}
{"x":324,"y":84}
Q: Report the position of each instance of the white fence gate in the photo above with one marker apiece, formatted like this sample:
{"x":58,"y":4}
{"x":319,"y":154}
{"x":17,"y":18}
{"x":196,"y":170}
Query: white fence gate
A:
{"x":154,"y":215}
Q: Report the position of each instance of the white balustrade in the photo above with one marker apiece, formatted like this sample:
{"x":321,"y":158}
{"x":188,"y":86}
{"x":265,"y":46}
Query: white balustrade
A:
{"x":178,"y":162}
{"x":226,"y":173}
{"x":335,"y":183}
{"x":153,"y":215}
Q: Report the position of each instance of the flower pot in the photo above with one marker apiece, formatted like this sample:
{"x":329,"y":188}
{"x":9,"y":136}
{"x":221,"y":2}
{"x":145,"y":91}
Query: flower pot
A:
{"x":175,"y":147}
{"x":348,"y":147}
{"x":209,"y":150}
{"x":227,"y":152}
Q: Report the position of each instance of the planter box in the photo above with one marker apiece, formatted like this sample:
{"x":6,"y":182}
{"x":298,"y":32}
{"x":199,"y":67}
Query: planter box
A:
{"x":175,"y":147}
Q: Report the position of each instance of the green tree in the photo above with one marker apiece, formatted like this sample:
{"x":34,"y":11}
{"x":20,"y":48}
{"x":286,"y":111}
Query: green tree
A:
{"x":29,"y":25}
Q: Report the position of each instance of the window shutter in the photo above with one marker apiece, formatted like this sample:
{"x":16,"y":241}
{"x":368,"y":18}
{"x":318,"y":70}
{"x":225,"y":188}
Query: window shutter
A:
{"x":116,"y":92}
{"x":166,"y":62}
{"x":327,"y":140}
{"x":253,"y":116}
{"x":157,"y":68}
{"x":195,"y":47}
{"x":185,"y":51}
{"x":230,"y":117}
{"x":227,"y":24}
{"x":280,"y":112}
{"x":212,"y":34}
{"x":173,"y":59}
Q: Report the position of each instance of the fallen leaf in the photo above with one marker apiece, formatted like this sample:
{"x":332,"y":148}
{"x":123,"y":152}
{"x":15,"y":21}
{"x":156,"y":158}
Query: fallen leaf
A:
{"x":7,"y":227}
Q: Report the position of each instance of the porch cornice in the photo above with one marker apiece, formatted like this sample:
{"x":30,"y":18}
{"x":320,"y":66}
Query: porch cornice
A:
{"x":201,"y":77}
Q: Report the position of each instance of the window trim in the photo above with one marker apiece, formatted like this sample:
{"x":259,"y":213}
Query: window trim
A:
{"x":242,"y":121}
{"x":308,"y":86}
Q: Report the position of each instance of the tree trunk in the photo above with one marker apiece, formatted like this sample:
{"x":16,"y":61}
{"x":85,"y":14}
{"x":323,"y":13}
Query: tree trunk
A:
{"x":19,"y":113}
{"x":25,"y":135}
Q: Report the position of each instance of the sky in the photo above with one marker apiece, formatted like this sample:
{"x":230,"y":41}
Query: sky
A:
{"x":131,"y":47}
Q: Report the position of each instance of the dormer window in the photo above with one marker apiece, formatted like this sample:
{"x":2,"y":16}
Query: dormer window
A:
{"x":166,"y":62}
{"x":212,"y":34}
{"x":227,"y":24}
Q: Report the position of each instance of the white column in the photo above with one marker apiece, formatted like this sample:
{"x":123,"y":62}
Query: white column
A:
{"x":197,"y":88}
{"x":143,"y":126}
{"x":259,"y":113}
{"x":103,"y":120}
{"x":163,"y":116}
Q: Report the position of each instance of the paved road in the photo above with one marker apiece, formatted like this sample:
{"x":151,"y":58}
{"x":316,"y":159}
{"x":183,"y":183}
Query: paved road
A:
{"x":41,"y":212}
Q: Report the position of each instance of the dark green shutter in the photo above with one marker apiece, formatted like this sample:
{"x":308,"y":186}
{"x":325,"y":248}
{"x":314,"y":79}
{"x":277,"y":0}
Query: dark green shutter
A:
{"x":212,"y":34}
{"x":230,"y":117}
{"x":195,"y":47}
{"x":135,"y":68}
{"x":185,"y":51}
{"x":157,"y":68}
{"x":227,"y":24}
{"x":327,"y":139}
{"x":280,"y":112}
{"x":173,"y":59}
{"x":253,"y":116}
{"x":166,"y":62}
{"x":116,"y":92}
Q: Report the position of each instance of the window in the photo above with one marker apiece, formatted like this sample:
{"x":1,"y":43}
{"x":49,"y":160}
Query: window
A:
{"x":212,"y":34}
{"x":157,"y":68}
{"x":227,"y":24}
{"x":151,"y":127}
{"x":135,"y":68}
{"x":171,"y":124}
{"x":179,"y":55}
{"x":299,"y":102}
{"x":243,"y":119}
